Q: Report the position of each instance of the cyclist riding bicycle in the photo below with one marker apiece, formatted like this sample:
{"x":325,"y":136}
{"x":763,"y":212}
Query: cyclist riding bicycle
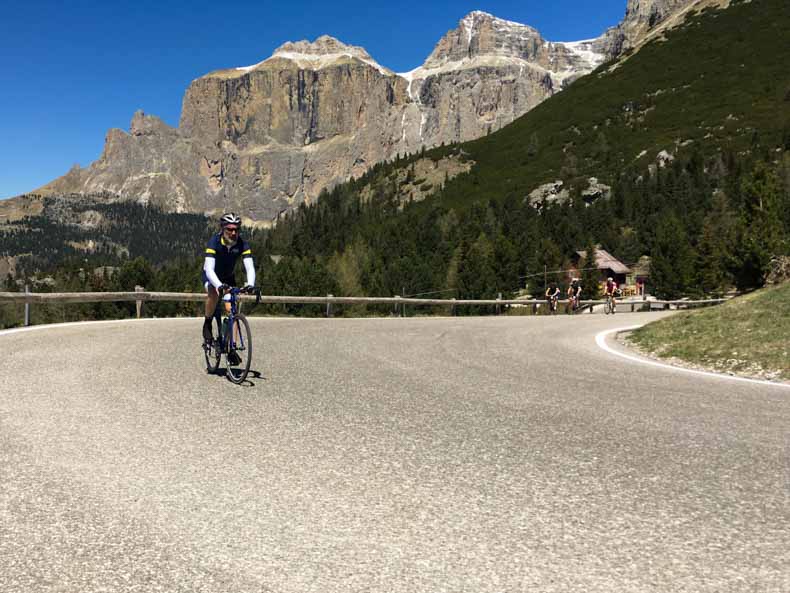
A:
{"x":575,"y":292}
{"x":222,"y":253}
{"x":610,"y":291}
{"x":552,"y":294}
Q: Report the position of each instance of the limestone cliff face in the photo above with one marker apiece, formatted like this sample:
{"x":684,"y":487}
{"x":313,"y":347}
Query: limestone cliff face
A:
{"x":488,"y":72}
{"x":306,"y":119}
{"x":262,"y":139}
{"x":259,"y":139}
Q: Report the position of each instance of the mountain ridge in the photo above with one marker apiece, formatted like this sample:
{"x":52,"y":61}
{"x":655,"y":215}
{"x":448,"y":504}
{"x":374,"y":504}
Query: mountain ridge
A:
{"x":263,"y":138}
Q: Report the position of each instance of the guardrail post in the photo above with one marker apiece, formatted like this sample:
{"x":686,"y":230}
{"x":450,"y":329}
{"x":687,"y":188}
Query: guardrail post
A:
{"x":139,"y":301}
{"x":395,"y":305}
{"x":453,"y":308}
{"x":329,"y":306}
{"x":27,"y":306}
{"x":498,"y":306}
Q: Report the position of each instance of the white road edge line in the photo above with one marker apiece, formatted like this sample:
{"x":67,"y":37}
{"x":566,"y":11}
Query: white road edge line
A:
{"x":600,"y":339}
{"x":17,"y":330}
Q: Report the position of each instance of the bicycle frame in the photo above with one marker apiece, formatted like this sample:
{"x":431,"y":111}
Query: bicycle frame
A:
{"x":228,"y":342}
{"x":572,"y":303}
{"x":610,"y":303}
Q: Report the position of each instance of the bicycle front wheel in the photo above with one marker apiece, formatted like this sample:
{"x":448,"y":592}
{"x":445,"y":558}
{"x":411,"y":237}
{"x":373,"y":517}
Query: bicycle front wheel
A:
{"x":239,"y":355}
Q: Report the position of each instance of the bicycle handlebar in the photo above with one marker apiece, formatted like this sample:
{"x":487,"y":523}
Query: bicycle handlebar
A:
{"x":237,"y":290}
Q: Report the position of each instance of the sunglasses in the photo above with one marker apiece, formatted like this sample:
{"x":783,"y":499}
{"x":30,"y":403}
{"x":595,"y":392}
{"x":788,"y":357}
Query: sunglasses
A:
{"x":231,"y":229}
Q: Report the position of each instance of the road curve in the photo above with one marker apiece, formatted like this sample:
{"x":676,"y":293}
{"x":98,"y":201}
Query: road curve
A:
{"x":413,"y":455}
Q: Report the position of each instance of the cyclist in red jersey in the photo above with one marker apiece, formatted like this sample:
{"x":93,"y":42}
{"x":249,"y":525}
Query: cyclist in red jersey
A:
{"x":610,"y":291}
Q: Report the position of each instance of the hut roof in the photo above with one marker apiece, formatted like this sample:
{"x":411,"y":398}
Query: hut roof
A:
{"x":606,"y":261}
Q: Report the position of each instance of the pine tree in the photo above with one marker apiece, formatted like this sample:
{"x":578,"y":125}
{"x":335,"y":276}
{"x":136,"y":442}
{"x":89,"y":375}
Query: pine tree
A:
{"x":762,"y":233}
{"x":533,"y":145}
{"x":137,"y":272}
{"x":590,"y":276}
{"x":716,"y":248}
{"x":477,"y":279}
{"x":672,"y":265}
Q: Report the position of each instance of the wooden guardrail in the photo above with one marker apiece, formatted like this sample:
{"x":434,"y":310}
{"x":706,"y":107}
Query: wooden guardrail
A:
{"x":399,"y":303}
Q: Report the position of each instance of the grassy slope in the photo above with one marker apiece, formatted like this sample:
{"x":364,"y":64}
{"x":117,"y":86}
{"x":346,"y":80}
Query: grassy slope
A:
{"x":749,"y":335}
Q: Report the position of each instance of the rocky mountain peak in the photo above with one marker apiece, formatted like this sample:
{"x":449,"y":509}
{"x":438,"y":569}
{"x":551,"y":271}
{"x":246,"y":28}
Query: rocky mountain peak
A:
{"x":482,"y":34}
{"x":646,"y":18}
{"x":143,"y":124}
{"x":323,"y":51}
{"x":476,"y":22}
{"x":651,"y":12}
{"x":326,"y":44}
{"x":482,"y":40}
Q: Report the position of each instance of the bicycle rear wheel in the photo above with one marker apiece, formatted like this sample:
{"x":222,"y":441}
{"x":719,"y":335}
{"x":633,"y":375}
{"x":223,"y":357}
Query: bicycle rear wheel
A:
{"x":607,"y":308}
{"x":239,"y":355}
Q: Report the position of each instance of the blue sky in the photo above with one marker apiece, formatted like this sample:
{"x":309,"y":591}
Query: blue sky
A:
{"x":70,"y":71}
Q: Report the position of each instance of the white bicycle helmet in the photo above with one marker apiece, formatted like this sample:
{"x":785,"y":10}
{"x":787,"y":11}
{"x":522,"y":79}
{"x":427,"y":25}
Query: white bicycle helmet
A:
{"x":229,"y":218}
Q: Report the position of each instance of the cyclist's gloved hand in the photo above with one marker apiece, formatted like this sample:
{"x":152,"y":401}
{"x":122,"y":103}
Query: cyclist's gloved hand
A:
{"x":249,"y":288}
{"x":223,"y":288}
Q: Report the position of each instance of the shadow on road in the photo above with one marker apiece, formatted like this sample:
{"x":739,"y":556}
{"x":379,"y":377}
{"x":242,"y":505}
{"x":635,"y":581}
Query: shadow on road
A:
{"x":253,"y":374}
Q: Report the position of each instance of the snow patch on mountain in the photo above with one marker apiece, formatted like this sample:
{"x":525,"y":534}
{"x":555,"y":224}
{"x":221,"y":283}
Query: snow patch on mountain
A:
{"x":410,"y":77}
{"x":316,"y":62}
{"x":323,"y":52}
{"x":587,"y":59}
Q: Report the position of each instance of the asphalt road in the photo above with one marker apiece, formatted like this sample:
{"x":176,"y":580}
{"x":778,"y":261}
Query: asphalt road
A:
{"x":390,"y":455}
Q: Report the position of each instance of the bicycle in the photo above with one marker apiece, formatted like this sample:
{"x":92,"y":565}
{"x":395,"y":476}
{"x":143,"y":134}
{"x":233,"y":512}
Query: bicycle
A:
{"x":572,"y":305}
{"x":552,"y":303}
{"x":233,"y":338}
{"x":610,"y":306}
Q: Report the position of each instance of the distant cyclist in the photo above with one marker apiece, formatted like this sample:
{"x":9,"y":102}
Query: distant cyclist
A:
{"x":610,"y":291}
{"x":575,"y":293}
{"x":222,"y":253}
{"x":552,"y":295}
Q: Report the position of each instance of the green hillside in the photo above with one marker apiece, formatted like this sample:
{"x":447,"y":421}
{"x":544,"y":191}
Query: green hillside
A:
{"x":96,"y":232}
{"x":749,"y":335}
{"x":719,"y":86}
{"x":715,"y":95}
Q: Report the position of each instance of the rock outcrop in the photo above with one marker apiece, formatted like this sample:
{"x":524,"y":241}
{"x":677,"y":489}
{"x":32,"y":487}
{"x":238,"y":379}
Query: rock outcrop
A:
{"x":264,"y":138}
{"x":646,"y":19}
